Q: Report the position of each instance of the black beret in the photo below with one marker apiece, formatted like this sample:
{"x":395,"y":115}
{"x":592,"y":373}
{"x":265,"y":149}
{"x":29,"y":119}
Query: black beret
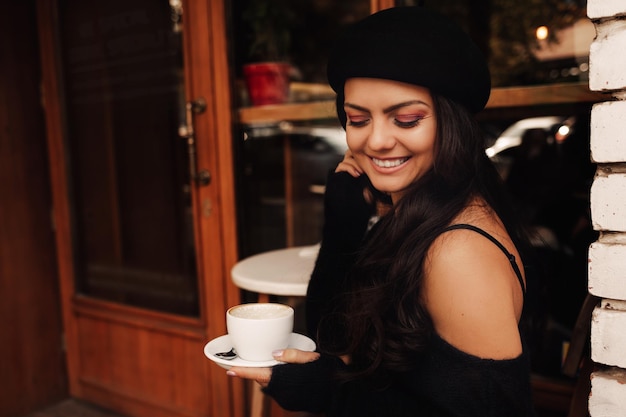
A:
{"x":413,"y":45}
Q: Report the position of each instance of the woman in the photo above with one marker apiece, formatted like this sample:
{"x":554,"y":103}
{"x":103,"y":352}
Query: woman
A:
{"x":419,"y":315}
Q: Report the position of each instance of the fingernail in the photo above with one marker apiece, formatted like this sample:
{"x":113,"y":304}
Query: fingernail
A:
{"x":231,"y":373}
{"x":277,"y":353}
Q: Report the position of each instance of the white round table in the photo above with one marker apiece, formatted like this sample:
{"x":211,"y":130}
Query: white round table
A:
{"x":279,"y":272}
{"x":283,"y":272}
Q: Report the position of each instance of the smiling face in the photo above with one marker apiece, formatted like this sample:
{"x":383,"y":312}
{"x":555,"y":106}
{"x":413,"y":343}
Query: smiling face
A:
{"x":391,"y":129}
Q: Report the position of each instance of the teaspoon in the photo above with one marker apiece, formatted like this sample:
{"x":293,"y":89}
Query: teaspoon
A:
{"x":230,"y":355}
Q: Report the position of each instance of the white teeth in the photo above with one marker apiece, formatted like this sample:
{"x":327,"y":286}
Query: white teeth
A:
{"x":389,"y":163}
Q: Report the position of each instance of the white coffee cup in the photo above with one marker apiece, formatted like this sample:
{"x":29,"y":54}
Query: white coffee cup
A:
{"x":258,"y":329}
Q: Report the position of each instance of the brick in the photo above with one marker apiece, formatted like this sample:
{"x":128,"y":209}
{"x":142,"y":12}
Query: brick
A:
{"x":608,"y":200}
{"x":607,"y":269}
{"x":608,"y":136}
{"x":605,"y":8}
{"x":608,"y":393}
{"x":607,"y":61}
{"x":608,"y":333}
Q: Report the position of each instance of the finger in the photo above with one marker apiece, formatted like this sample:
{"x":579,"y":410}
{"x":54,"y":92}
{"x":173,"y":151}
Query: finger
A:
{"x":349,"y":158}
{"x":350,"y":170}
{"x":260,"y":375}
{"x":351,"y":161}
{"x":349,"y":167}
{"x":295,"y":356}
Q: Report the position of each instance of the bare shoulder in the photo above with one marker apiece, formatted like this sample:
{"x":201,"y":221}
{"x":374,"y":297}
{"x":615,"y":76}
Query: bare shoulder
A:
{"x":472,"y":293}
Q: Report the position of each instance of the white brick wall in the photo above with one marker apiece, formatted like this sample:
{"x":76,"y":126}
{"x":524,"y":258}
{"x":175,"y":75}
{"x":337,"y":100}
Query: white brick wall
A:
{"x":608,"y":136}
{"x":608,"y":343}
{"x":609,"y":394}
{"x":608,"y":199}
{"x":607,"y":60}
{"x":607,"y":256}
{"x":597,"y":9}
{"x":607,"y":268}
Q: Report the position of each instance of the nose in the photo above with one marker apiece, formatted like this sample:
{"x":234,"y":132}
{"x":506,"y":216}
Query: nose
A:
{"x":380,"y":137}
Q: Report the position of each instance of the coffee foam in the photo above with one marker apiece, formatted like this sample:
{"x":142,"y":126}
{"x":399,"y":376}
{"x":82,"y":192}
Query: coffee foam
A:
{"x":260,"y":311}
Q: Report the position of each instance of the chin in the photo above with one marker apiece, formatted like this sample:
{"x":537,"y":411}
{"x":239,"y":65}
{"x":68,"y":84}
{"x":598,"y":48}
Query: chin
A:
{"x":391,"y":188}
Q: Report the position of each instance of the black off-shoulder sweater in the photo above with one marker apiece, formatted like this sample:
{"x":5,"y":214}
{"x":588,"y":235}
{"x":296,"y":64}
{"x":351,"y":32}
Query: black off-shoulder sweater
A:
{"x":445,"y":382}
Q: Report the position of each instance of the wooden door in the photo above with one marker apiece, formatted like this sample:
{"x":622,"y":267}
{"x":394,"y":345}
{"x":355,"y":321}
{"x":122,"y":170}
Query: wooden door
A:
{"x":31,"y":359}
{"x":139,"y":122}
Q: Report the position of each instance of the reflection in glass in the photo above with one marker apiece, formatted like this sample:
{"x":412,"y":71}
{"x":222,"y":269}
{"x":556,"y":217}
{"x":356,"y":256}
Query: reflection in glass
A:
{"x":299,"y":33}
{"x":122,"y":63}
{"x":546,"y":166}
{"x":506,"y":31}
{"x":282,"y":173}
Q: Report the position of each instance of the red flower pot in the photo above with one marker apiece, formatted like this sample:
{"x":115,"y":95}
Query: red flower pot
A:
{"x":267,"y":82}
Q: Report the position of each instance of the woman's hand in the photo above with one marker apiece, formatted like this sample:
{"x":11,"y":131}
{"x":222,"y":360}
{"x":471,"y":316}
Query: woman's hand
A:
{"x":349,"y":165}
{"x":263,"y":375}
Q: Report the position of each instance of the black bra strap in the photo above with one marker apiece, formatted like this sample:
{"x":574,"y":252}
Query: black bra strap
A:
{"x":509,"y":255}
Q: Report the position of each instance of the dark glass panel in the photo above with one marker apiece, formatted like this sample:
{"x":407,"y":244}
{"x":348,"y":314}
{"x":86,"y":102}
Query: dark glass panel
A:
{"x":506,"y":30}
{"x":122,"y":64}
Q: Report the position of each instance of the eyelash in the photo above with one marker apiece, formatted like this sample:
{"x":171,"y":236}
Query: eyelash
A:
{"x":411,"y":123}
{"x":404,"y":125}
{"x":358,"y":124}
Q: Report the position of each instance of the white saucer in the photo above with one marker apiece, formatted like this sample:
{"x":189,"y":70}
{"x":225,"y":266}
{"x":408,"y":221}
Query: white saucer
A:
{"x":222,"y":344}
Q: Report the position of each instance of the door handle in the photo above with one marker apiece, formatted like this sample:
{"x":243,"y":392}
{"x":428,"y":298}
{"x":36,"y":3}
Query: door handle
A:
{"x":187,"y":132}
{"x":203,"y":177}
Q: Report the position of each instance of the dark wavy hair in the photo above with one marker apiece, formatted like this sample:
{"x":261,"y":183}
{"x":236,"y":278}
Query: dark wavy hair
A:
{"x":384,"y":322}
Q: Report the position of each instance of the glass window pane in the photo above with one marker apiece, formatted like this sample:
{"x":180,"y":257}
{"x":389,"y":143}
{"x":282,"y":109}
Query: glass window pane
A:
{"x":282,"y":174}
{"x":296,"y":32}
{"x":527,"y":43}
{"x":281,"y":166}
{"x":122,"y":63}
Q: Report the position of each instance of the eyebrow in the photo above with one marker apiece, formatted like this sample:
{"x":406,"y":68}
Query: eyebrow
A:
{"x":390,"y":108}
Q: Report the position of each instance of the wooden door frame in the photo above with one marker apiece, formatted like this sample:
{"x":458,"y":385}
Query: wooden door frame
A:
{"x":55,"y":129}
{"x":208,"y":77}
{"x":206,"y":20}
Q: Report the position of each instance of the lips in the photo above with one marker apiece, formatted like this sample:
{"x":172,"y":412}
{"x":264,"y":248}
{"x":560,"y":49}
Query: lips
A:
{"x":389,"y":163}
